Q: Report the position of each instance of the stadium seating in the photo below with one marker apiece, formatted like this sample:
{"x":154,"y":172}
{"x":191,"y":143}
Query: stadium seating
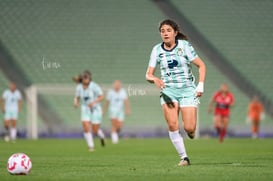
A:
{"x":107,"y":38}
{"x":54,"y":40}
{"x":241,"y":31}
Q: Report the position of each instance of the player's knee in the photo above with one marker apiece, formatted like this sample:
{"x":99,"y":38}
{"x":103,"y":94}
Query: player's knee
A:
{"x":189,"y":128}
{"x":173,"y":126}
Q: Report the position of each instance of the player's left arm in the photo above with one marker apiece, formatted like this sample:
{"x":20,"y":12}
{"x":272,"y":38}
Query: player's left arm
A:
{"x":96,"y":101}
{"x":202,"y":75}
{"x":19,"y":96}
{"x":100,"y":97}
{"x":20,"y":105}
{"x":127,"y":107}
{"x":232,"y":100}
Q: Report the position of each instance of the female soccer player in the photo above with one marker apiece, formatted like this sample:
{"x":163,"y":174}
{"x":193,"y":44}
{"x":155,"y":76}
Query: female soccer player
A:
{"x":90,"y":95}
{"x":222,"y":100}
{"x":178,"y":91}
{"x":11,"y":106}
{"x":255,"y":115}
{"x":117,"y":101}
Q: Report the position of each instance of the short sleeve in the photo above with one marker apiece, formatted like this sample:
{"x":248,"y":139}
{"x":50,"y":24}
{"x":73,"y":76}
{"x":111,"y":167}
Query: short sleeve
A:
{"x":19,"y":95}
{"x":97,"y":89}
{"x":4,"y":96}
{"x":124,"y":94}
{"x":191,"y":53}
{"x":153,"y":58}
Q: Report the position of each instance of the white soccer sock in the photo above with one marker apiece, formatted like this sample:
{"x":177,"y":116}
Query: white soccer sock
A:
{"x":114,"y":136}
{"x":13,"y":133}
{"x":101,"y":134}
{"x":89,"y":139}
{"x":178,"y":143}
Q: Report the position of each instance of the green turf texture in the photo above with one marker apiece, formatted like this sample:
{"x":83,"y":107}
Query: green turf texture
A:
{"x":142,"y":159}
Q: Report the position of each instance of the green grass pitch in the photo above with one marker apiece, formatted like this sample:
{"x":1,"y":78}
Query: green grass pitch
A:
{"x":142,"y":159}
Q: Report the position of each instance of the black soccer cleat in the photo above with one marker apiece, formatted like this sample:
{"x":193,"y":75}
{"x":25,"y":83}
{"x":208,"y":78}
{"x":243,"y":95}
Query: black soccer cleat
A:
{"x":102,"y":141}
{"x":191,"y":135}
{"x":184,"y":162}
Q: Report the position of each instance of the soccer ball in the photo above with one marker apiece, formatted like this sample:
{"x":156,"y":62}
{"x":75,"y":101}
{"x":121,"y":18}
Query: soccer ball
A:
{"x":19,"y":164}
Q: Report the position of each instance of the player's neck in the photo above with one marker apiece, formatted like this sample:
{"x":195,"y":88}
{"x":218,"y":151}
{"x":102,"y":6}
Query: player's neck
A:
{"x":85,"y":86}
{"x":169,"y":45}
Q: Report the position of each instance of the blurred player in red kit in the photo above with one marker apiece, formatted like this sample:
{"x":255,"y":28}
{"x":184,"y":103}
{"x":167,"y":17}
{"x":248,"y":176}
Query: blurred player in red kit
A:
{"x":222,"y":100}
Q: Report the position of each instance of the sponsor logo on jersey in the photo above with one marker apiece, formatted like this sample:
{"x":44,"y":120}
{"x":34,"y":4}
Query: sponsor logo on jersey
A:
{"x":161,"y":55}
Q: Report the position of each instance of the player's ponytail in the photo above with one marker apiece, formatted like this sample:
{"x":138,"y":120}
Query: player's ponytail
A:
{"x":77,"y":79}
{"x":181,"y":36}
{"x":174,"y":25}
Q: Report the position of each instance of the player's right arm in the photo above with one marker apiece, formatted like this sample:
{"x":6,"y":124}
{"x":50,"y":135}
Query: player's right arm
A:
{"x":3,"y":105}
{"x":77,"y":96}
{"x":2,"y":102}
{"x":150,"y":77}
{"x":76,"y":102}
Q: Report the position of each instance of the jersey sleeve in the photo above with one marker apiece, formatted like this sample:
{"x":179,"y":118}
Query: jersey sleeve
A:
{"x":97,"y":89}
{"x":124,"y":94}
{"x":191,"y":53}
{"x":153,"y":58}
{"x":4,"y":96}
{"x":19,"y":95}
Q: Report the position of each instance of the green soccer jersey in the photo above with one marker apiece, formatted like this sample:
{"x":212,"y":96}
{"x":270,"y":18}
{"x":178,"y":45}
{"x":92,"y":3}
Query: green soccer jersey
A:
{"x":175,"y":64}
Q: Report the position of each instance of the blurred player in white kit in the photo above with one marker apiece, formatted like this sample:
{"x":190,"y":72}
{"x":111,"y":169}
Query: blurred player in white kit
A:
{"x":11,"y":104}
{"x":118,"y":105}
{"x":90,"y":95}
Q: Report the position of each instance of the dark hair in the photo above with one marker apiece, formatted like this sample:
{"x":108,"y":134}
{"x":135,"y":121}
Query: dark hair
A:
{"x":80,"y":77}
{"x":86,"y":74}
{"x":174,"y":25}
{"x":77,"y":78}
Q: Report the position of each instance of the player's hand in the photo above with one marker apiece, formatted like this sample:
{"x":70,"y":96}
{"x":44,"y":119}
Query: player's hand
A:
{"x":199,"y":89}
{"x":199,"y":94}
{"x":76,"y":103}
{"x":159,"y":83}
{"x":91,"y":104}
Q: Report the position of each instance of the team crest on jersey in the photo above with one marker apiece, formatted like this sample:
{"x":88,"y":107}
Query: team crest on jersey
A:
{"x":179,"y":52}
